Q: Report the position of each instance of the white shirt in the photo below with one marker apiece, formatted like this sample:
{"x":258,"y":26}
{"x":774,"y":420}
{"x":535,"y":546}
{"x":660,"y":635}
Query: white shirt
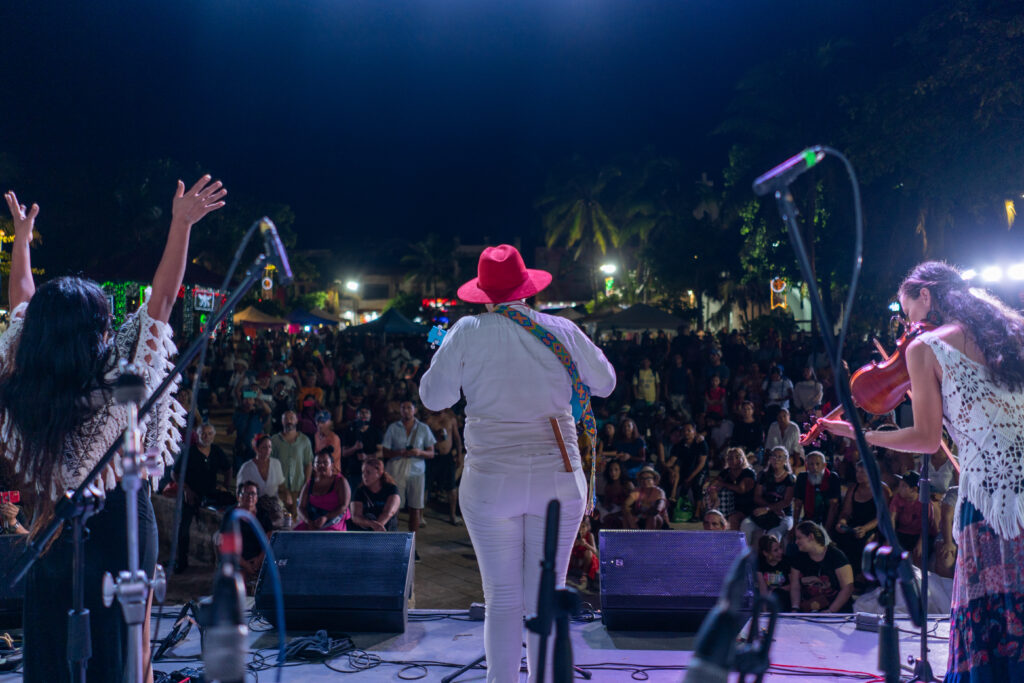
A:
{"x":269,"y":486}
{"x":790,"y":440}
{"x":513,"y":383}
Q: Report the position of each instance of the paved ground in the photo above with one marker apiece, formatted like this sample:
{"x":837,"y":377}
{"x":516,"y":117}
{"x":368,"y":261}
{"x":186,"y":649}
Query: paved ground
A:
{"x":446,"y":578}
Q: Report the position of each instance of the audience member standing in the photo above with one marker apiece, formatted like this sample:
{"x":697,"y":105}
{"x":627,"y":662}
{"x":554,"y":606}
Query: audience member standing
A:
{"x":407,"y":444}
{"x":294,"y":451}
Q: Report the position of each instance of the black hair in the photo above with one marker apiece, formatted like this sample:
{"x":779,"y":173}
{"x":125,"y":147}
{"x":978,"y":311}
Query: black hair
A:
{"x":60,"y":360}
{"x":997,"y":329}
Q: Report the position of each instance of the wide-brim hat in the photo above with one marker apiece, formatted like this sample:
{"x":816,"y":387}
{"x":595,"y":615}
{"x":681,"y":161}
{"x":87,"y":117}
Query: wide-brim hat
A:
{"x":502,"y":276}
{"x":648,"y":471}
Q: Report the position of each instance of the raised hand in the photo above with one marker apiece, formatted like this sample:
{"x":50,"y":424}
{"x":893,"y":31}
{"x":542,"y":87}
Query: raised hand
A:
{"x":190,"y":207}
{"x":24,"y":221}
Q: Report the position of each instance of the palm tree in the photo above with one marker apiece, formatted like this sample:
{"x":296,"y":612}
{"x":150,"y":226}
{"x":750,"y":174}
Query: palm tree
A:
{"x":432,"y":262}
{"x":574,"y":210}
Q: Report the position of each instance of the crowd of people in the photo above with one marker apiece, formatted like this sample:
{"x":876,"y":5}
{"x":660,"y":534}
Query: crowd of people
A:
{"x":701,"y":427}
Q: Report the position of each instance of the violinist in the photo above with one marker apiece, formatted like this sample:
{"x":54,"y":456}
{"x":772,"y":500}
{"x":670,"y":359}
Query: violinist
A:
{"x":969,"y":372}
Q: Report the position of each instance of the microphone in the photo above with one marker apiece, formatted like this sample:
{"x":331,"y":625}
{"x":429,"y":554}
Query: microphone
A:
{"x":715,"y":650}
{"x":782,"y":175}
{"x":225,"y":629}
{"x":274,"y":251}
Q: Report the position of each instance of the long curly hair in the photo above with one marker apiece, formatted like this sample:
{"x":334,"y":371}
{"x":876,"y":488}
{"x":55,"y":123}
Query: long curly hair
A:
{"x":59,"y":362}
{"x":997,"y":329}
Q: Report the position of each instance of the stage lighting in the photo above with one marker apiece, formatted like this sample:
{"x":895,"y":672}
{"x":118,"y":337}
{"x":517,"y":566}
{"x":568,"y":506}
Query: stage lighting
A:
{"x":1016,"y":271}
{"x":969,"y":274}
{"x":992,"y":274}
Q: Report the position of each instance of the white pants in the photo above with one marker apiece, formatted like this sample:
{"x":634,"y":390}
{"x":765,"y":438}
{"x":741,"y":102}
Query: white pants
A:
{"x":504,"y":502}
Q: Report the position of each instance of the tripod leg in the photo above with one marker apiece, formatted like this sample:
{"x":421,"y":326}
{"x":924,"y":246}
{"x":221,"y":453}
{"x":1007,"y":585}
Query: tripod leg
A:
{"x":452,"y":676}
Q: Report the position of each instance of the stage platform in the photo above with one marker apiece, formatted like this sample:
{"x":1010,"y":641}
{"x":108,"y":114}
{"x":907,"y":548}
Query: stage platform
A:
{"x":438,"y":640}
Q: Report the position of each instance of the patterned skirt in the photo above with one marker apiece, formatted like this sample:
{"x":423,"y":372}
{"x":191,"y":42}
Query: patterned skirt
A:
{"x":986,"y":636}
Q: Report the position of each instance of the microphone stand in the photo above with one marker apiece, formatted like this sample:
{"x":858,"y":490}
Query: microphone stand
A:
{"x":79,"y":646}
{"x":70,"y":506}
{"x":922,"y":668}
{"x":556,"y":605}
{"x":898,"y":563}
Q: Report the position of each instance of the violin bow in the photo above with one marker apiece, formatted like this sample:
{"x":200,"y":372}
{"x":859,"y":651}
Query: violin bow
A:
{"x":910,"y":394}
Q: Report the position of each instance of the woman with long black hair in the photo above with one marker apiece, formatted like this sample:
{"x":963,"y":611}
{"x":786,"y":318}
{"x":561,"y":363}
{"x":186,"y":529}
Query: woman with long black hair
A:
{"x":58,"y":363}
{"x":969,"y":372}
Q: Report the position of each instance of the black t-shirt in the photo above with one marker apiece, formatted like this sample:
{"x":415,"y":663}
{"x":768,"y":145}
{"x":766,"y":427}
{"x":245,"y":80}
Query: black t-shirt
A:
{"x":774,"y":491}
{"x":816,"y":509}
{"x":201,"y":475}
{"x":819,"y":580}
{"x":744,"y":501}
{"x":687,"y":456}
{"x":370,"y":437}
{"x":747,"y":435}
{"x":374,"y":503}
{"x":774,"y":577}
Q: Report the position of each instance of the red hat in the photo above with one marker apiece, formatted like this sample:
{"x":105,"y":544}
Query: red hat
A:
{"x":502,"y":276}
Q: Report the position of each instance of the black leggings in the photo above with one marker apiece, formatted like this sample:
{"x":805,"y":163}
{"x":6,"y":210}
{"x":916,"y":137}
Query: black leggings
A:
{"x":48,"y":595}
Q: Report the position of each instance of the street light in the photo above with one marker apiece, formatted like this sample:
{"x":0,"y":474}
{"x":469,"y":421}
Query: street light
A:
{"x":608,"y":268}
{"x":352,"y":286}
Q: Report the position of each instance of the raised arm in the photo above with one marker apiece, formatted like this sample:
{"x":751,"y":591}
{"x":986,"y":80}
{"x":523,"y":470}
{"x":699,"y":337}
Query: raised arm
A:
{"x":187,"y":209}
{"x":22,"y":286}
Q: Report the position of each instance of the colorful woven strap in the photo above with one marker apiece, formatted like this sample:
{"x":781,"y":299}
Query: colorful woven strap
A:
{"x":581,"y":410}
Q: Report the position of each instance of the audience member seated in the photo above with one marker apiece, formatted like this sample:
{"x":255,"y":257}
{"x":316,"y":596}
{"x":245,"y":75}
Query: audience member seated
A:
{"x":807,"y":395}
{"x":719,"y":436}
{"x":605,"y":443}
{"x":773,"y":570}
{"x":858,"y":522}
{"x":645,"y":508}
{"x":821,"y":578}
{"x":777,"y":391}
{"x":687,"y":464}
{"x":323,"y":504}
{"x":944,"y":556}
{"x":614,"y":490}
{"x":715,"y":398}
{"x":905,"y":508}
{"x":735,"y":488}
{"x":631,"y":447}
{"x":783,"y":433}
{"x":252,"y":552}
{"x":583,"y":557}
{"x":375,"y":503}
{"x":748,"y":432}
{"x":818,"y":493}
{"x":264,"y":471}
{"x":206,"y":480}
{"x":773,"y":498}
{"x":714,"y":520}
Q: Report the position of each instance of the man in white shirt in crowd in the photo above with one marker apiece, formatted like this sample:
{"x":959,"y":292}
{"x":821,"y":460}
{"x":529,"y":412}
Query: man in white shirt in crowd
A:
{"x":783,"y":432}
{"x":406,"y":446}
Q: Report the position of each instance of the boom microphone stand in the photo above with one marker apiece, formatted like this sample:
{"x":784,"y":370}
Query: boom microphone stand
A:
{"x":922,"y":668}
{"x":777,"y":182}
{"x":70,"y":505}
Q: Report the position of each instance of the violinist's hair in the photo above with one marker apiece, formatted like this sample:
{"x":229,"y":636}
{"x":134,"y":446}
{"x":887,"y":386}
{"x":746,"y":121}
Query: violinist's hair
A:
{"x":997,"y":329}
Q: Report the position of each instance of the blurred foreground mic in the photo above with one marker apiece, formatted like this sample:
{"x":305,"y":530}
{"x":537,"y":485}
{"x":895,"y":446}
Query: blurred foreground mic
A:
{"x":782,"y":175}
{"x":224,"y":646}
{"x":274,"y":251}
{"x":716,"y":639}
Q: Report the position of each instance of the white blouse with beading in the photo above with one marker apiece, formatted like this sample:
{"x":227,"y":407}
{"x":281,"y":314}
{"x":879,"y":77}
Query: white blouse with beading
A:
{"x":149,"y":345}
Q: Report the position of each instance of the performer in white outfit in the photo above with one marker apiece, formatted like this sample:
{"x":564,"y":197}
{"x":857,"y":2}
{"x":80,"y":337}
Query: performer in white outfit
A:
{"x":514,"y":385}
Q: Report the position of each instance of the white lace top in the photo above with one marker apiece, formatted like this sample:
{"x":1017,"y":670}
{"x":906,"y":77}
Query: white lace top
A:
{"x":151,"y":353}
{"x":986,"y":422}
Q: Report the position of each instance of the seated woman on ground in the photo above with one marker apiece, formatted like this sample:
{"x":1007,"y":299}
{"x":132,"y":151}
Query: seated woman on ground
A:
{"x":645,"y":508}
{"x":773,"y":570}
{"x":323,"y":503}
{"x":375,"y":503}
{"x":773,"y":500}
{"x":605,"y":441}
{"x":612,"y":495}
{"x":583,"y":557}
{"x":821,"y":578}
{"x":631,"y":447}
{"x":714,"y":520}
{"x":735,"y":487}
{"x":858,"y":522}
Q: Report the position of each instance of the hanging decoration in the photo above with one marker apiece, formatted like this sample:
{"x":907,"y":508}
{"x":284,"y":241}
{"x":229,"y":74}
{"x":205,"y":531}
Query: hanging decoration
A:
{"x":778,"y":296}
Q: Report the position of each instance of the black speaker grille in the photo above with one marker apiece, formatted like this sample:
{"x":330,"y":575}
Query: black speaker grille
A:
{"x":665,"y":569}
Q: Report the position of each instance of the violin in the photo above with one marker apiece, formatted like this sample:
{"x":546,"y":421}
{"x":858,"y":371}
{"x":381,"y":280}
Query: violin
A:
{"x":877,"y":387}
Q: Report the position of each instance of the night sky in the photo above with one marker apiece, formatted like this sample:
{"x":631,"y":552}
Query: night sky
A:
{"x":374,"y":117}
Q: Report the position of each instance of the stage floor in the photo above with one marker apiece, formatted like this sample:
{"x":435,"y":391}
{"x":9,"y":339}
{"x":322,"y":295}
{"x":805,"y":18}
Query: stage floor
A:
{"x":435,"y":638}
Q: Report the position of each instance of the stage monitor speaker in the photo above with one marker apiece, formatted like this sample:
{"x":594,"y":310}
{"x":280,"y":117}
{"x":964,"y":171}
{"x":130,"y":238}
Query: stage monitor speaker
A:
{"x":665,"y":580}
{"x":11,"y":600}
{"x":340,"y":581}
